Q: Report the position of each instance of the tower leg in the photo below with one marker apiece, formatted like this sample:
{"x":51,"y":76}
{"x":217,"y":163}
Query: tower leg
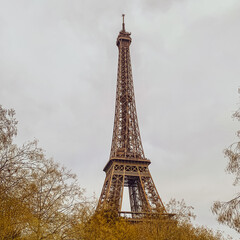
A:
{"x":143,"y":194}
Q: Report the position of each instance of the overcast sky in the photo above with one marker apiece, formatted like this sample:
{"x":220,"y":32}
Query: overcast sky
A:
{"x":58,"y":68}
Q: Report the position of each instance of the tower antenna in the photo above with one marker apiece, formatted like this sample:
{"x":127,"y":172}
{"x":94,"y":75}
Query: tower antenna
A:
{"x":123,"y":24}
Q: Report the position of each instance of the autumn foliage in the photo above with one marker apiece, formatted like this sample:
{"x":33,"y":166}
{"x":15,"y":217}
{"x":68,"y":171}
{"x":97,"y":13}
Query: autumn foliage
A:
{"x":105,"y":225}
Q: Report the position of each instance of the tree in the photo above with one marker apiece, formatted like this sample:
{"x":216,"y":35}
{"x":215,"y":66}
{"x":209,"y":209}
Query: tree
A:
{"x":54,"y":199}
{"x":229,"y":212}
{"x":13,"y":211}
{"x":182,"y":212}
{"x":108,"y":225}
{"x":38,"y":198}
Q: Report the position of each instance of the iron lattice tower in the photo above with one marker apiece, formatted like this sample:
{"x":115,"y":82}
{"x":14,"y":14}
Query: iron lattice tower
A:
{"x":127,"y":166}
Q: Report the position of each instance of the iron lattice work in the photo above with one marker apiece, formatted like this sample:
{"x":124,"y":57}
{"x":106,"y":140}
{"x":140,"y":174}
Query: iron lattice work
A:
{"x":127,"y":166}
{"x":126,"y":141}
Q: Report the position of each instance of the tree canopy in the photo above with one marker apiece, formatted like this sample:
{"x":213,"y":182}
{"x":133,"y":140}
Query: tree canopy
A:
{"x":38,"y":198}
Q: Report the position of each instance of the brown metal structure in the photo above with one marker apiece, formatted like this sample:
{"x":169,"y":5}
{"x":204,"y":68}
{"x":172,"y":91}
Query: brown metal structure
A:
{"x":127,"y":166}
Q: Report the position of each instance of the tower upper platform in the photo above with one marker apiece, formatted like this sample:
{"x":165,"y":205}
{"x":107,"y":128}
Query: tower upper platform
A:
{"x":124,"y":36}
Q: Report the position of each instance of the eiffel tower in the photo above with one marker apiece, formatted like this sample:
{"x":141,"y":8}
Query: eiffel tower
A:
{"x":128,"y":166}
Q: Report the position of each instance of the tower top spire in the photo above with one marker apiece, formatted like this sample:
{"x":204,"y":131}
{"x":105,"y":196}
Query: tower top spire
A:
{"x":123,"y":24}
{"x":123,"y":34}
